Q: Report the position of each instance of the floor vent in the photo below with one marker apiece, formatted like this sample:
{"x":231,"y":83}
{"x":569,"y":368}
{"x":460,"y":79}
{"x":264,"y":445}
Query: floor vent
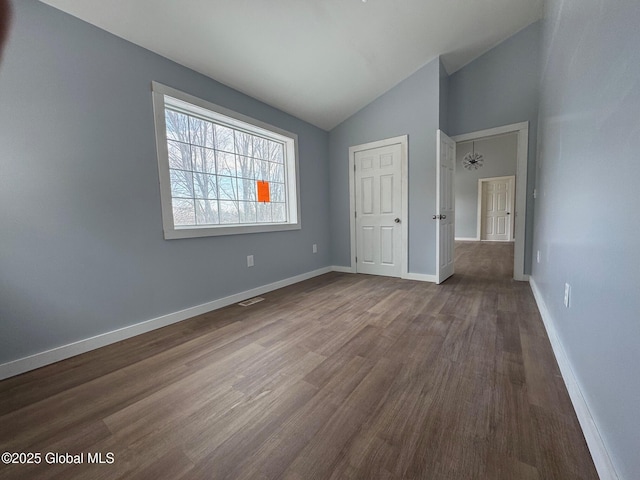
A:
{"x":251,"y":301}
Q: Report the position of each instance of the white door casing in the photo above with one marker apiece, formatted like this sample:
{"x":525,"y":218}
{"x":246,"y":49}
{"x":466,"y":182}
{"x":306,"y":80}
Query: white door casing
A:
{"x":522,"y":130}
{"x":445,"y":207}
{"x":378,"y":210}
{"x":496,"y":205}
{"x":379,"y":205}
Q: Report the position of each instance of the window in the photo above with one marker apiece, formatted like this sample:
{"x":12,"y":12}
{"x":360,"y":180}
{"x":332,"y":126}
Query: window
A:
{"x":221,"y":172}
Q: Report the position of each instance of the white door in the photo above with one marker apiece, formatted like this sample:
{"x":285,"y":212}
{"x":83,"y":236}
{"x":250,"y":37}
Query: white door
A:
{"x":378,"y":197}
{"x":497,"y":208}
{"x":445,"y":207}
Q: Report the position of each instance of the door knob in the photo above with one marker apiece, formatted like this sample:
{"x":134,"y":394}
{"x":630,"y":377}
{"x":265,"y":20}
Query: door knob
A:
{"x":443,"y":217}
{"x":508,"y":213}
{"x":435,"y":217}
{"x":397,"y":220}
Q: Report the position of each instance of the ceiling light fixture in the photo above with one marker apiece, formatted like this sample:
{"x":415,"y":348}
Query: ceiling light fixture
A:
{"x":472,"y":159}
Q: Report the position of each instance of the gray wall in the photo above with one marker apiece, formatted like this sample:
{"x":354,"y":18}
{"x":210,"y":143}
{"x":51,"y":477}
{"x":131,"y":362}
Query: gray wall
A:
{"x":499,"y":161}
{"x":501,"y":88}
{"x":444,"y":99}
{"x":411,"y":107}
{"x":587,"y":219}
{"x":81,"y":245}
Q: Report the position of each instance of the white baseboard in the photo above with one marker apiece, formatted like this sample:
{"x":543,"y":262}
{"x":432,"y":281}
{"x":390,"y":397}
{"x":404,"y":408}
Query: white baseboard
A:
{"x":337,"y":268}
{"x":41,"y":359}
{"x":467,"y":239}
{"x":596,"y":445}
{"x":421,"y":277}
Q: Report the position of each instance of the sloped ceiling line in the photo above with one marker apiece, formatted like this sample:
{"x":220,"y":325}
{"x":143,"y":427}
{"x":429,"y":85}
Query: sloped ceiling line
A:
{"x":320,"y":61}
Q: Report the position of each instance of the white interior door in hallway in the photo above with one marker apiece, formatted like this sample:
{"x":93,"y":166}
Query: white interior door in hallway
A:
{"x":497,"y":197}
{"x":378,"y":205}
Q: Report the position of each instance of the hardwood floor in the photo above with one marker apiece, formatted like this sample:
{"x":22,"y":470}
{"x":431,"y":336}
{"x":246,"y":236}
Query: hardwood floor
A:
{"x":339,"y":377}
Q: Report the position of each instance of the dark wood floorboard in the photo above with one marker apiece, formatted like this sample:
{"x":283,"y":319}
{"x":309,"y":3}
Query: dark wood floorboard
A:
{"x":338,"y":377}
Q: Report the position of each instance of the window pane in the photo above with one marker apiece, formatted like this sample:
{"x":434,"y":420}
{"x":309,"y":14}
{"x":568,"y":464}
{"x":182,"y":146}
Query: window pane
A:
{"x":276,"y":153}
{"x":229,"y":212}
{"x":247,"y":212}
{"x":246,"y":189}
{"x":179,"y":155}
{"x":204,"y":160}
{"x":177,"y":126}
{"x":205,"y":185}
{"x":244,"y":143}
{"x":260,"y":148}
{"x":183,"y":212}
{"x":264,"y":212}
{"x":263,"y":170}
{"x":277,"y":172}
{"x":278,"y":212}
{"x":246,"y":167}
{"x":207,"y":212}
{"x":181,"y":183}
{"x":277,"y":192}
{"x":227,"y":188}
{"x":226,"y":163}
{"x":223,"y":137}
{"x":201,"y":132}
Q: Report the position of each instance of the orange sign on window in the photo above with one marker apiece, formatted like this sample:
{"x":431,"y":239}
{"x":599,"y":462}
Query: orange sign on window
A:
{"x":263,"y":191}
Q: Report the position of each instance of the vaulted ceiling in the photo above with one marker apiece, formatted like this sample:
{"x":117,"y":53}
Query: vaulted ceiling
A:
{"x":319,"y":60}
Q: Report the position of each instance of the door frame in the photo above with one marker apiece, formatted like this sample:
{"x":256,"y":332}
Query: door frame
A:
{"x":522,"y":162}
{"x":403,"y":140}
{"x":512,"y":185}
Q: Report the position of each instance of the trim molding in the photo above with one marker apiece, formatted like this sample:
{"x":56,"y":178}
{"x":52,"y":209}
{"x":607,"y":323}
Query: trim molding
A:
{"x":467,"y":239}
{"x":596,"y":445}
{"x":522,"y":129}
{"x":421,"y":277}
{"x":490,"y":132}
{"x":337,"y":268}
{"x":63,"y":352}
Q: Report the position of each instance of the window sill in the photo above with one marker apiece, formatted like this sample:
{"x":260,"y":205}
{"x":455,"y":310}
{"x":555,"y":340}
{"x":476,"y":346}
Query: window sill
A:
{"x":195,"y":232}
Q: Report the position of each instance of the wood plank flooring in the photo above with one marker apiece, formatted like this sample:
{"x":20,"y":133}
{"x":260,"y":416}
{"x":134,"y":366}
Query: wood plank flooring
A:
{"x":339,"y":377}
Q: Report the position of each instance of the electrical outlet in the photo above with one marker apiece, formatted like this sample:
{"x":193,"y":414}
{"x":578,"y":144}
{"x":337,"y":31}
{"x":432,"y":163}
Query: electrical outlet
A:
{"x":567,"y":295}
{"x":538,"y":256}
{"x":249,"y":260}
{"x":315,"y":248}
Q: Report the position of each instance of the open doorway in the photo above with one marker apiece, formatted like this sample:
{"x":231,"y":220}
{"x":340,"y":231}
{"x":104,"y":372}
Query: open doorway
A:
{"x":482,"y":157}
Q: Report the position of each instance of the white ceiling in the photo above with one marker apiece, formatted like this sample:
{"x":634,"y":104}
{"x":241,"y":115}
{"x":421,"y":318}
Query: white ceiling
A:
{"x":319,"y":60}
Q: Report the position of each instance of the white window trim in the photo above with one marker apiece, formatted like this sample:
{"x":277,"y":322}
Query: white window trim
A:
{"x":292,"y":181}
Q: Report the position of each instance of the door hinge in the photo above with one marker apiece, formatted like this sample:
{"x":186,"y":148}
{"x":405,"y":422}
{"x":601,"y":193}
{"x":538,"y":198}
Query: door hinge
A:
{"x":354,"y":167}
{"x":356,"y":259}
{"x":355,"y":214}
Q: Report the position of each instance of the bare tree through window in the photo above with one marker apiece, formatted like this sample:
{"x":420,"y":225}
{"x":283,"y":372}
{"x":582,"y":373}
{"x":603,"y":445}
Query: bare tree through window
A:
{"x":214,"y":169}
